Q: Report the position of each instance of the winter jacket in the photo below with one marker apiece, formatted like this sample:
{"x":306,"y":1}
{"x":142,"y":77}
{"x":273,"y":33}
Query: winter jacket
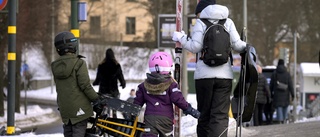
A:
{"x":195,"y":44}
{"x":107,"y":78}
{"x":281,"y":98}
{"x":159,"y":93}
{"x":263,"y":91}
{"x":74,"y":91}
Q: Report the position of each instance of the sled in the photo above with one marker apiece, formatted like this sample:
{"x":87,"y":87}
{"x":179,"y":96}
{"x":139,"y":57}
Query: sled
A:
{"x":102,"y":124}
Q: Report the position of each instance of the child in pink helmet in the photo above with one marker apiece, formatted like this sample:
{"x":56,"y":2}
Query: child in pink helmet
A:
{"x":159,"y":92}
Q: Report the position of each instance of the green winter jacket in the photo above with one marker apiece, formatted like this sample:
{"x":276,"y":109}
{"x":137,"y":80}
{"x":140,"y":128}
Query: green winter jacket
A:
{"x":74,"y":90}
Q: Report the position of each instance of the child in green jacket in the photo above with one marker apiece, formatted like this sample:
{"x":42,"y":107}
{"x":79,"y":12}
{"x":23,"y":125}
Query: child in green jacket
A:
{"x":74,"y":90}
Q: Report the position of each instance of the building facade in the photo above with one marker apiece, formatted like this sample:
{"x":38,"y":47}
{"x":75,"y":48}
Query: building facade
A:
{"x":116,"y":22}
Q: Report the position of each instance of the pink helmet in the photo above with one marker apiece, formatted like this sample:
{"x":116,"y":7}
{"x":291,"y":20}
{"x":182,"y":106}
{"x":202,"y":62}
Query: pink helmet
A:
{"x":160,"y":62}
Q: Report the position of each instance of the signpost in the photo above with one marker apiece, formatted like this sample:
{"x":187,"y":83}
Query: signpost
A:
{"x":3,"y":4}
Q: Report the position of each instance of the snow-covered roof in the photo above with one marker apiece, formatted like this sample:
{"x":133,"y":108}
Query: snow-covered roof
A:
{"x":310,"y":69}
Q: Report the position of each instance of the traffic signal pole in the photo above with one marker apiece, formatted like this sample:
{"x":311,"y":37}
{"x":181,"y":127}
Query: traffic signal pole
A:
{"x":74,"y":21}
{"x":11,"y":66}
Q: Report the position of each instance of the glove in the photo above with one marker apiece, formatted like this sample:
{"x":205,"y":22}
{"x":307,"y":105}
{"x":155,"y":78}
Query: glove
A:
{"x":177,"y":36}
{"x":191,"y":111}
{"x":98,"y":104}
{"x":123,"y":85}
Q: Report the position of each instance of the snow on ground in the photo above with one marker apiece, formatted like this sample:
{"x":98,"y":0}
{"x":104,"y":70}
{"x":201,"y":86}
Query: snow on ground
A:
{"x":37,"y":116}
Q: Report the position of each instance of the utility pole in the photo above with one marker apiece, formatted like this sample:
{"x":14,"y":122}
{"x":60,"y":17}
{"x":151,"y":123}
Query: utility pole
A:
{"x":245,"y":25}
{"x":11,"y":66}
{"x":52,"y":47}
{"x":295,"y":77}
{"x":74,"y":21}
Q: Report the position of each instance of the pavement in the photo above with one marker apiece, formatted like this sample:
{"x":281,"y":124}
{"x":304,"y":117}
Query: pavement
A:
{"x":31,"y":121}
{"x":305,"y":129}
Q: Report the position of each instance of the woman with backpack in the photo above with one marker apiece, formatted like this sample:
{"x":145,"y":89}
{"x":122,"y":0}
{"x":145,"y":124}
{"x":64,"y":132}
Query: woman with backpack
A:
{"x":213,"y":83}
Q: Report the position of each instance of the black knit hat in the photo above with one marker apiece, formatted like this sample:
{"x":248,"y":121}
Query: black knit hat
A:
{"x":280,"y":62}
{"x":203,"y":4}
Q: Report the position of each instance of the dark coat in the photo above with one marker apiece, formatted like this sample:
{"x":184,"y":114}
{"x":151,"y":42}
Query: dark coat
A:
{"x":74,"y":90}
{"x":159,"y":96}
{"x":108,"y":74}
{"x":281,"y":98}
{"x":263,"y":91}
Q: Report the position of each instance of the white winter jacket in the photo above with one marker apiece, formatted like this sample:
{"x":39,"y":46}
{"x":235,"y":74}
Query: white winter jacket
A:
{"x":194,"y":44}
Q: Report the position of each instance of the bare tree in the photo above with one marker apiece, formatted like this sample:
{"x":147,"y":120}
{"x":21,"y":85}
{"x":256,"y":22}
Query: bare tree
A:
{"x":3,"y":44}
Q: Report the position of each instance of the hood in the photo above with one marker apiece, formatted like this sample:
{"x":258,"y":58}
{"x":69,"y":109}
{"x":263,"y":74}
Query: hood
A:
{"x":215,"y":11}
{"x":281,"y":69}
{"x":157,"y":83}
{"x":62,"y":67}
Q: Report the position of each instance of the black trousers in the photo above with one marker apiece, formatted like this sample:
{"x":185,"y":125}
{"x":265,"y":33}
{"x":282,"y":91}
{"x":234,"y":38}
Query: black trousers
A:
{"x":268,"y":112}
{"x":257,"y":114}
{"x":213,"y":98}
{"x":75,"y":130}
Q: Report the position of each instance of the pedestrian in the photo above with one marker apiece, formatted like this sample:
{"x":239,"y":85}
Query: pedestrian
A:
{"x":263,"y":96}
{"x":213,"y":84}
{"x":159,"y":92}
{"x":130,"y":100}
{"x":73,"y":87}
{"x":108,"y":73}
{"x":282,"y":87}
{"x":26,"y":75}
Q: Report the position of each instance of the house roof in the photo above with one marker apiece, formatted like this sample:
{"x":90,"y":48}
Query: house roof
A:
{"x":310,"y":69}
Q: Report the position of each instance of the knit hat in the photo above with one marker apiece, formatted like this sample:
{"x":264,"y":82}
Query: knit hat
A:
{"x":202,"y":4}
{"x":280,"y":62}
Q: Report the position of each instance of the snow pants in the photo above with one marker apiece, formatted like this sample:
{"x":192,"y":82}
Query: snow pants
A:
{"x":213,"y":98}
{"x":160,"y":126}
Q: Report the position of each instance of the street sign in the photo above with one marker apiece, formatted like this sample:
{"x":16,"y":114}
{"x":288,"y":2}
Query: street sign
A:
{"x":3,"y":4}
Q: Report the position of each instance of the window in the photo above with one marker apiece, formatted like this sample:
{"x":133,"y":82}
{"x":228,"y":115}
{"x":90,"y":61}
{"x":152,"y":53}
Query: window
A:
{"x":130,"y":25}
{"x":95,"y":25}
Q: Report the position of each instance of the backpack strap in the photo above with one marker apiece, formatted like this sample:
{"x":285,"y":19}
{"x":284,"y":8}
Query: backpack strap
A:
{"x":221,"y":22}
{"x":207,"y":22}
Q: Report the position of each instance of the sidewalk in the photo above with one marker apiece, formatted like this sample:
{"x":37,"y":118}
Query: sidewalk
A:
{"x":36,"y":116}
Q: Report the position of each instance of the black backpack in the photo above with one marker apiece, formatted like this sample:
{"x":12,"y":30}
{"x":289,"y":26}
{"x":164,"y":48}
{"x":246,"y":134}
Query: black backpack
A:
{"x":216,"y":44}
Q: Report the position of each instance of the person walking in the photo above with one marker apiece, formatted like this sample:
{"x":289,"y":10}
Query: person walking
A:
{"x":159,"y":92}
{"x":263,"y":96}
{"x":282,"y":87}
{"x":108,"y":73}
{"x":213,"y":84}
{"x":73,"y":87}
{"x":26,"y":75}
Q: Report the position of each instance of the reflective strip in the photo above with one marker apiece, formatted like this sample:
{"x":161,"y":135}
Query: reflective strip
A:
{"x":175,"y":90}
{"x":10,"y":130}
{"x":75,"y":32}
{"x":167,"y":69}
{"x":11,"y":56}
{"x":12,"y":30}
